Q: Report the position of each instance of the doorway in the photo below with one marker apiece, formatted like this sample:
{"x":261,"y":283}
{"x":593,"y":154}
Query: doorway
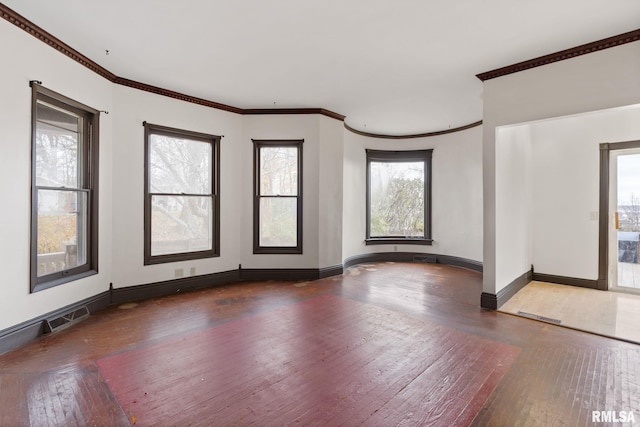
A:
{"x":623,"y":217}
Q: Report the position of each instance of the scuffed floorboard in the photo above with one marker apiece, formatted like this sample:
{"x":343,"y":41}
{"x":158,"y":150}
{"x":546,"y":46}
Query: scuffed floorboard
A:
{"x":327,"y":360}
{"x":397,"y":344}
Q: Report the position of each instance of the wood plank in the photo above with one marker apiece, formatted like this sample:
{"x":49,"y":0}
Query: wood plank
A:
{"x":67,"y":397}
{"x":326,"y":358}
{"x":564,"y":387}
{"x":407,"y":322}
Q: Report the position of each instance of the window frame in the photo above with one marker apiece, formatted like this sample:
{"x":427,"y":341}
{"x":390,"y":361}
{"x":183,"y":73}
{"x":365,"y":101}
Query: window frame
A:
{"x":153,"y":129}
{"x":89,"y":176}
{"x":401,"y":157}
{"x":257,"y":248}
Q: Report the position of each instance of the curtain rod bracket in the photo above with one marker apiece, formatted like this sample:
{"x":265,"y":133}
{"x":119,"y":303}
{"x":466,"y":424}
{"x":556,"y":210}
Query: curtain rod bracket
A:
{"x":34,"y":82}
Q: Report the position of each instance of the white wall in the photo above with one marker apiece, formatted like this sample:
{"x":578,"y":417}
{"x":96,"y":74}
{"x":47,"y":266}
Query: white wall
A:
{"x":566,"y":154}
{"x":27,"y":58}
{"x":122,"y":177}
{"x":330,"y":192}
{"x":456,"y":193}
{"x":600,"y":80}
{"x":287,"y":126}
{"x":514,"y":204}
{"x":131,"y":108}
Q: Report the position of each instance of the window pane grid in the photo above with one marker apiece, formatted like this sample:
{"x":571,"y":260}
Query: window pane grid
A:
{"x":398,"y":197}
{"x":64,"y":190}
{"x":179,"y":165}
{"x":181,"y":224}
{"x":278,"y":171}
{"x":278,"y":221}
{"x":181,"y":195}
{"x":58,"y":147}
{"x":61,"y":236}
{"x":277,"y":204}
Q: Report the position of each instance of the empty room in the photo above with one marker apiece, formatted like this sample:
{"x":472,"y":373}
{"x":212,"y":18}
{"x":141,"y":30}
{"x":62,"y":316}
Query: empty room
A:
{"x":330,"y":213}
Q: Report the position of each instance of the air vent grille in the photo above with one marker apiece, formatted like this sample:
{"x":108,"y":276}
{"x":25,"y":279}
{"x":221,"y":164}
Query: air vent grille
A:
{"x":425,"y":258}
{"x":67,"y":319}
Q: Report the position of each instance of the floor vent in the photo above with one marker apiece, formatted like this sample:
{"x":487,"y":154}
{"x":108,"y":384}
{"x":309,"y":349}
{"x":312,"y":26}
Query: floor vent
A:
{"x":425,"y":258}
{"x":538,"y":317}
{"x":67,"y":319}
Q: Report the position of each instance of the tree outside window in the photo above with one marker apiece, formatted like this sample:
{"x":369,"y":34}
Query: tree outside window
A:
{"x":278,"y":198}
{"x":181,"y":200}
{"x":398,"y":197}
{"x":64,"y":229}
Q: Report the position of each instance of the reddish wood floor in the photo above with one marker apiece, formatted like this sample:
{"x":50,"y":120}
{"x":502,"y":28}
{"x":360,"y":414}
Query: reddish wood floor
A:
{"x":384,"y":344}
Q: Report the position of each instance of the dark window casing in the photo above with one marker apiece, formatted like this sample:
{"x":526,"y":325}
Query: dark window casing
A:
{"x":401,"y":157}
{"x":214,"y":140}
{"x":85,"y":187}
{"x":257,"y":247}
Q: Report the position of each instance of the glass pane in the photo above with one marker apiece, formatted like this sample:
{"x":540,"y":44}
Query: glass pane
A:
{"x":397,"y":199}
{"x":181,"y":224}
{"x":628,"y":208}
{"x":57,"y":150}
{"x":628,"y":184}
{"x":178,"y":165}
{"x":278,"y":221}
{"x":278,"y":171}
{"x":62,"y":230}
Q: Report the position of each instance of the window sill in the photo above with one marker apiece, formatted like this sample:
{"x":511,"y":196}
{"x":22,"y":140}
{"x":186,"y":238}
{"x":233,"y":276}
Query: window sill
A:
{"x":61,"y":280}
{"x":397,"y":241}
{"x":277,"y":250}
{"x":183,"y":256}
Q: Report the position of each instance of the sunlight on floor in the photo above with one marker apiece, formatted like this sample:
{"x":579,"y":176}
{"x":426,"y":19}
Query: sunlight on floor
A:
{"x":613,"y":314}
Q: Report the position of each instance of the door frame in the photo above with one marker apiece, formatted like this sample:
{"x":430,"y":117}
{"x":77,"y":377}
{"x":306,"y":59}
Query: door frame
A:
{"x":603,"y":225}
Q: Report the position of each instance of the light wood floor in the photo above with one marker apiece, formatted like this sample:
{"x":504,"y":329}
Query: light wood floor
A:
{"x":613,"y":314}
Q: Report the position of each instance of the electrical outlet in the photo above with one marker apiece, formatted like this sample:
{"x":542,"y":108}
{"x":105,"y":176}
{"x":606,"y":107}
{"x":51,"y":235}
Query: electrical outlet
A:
{"x":179,"y":272}
{"x":192,"y":271}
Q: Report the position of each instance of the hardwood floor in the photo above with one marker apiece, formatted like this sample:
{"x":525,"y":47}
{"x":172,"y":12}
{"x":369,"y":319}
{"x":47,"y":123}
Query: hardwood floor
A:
{"x":383,"y":344}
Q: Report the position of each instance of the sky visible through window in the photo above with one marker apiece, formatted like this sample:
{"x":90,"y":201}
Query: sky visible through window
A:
{"x":628,"y":183}
{"x":628,"y":178}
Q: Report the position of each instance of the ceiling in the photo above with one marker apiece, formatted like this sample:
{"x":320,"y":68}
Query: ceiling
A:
{"x":391,"y":67}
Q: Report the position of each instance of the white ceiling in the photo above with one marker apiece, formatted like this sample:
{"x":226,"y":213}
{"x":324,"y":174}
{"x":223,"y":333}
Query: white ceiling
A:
{"x":392,"y":67}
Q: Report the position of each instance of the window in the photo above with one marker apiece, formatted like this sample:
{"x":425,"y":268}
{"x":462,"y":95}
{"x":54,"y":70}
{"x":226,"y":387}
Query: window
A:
{"x":277,"y":208}
{"x":182,"y":201}
{"x":64,"y":194}
{"x":399,"y":197}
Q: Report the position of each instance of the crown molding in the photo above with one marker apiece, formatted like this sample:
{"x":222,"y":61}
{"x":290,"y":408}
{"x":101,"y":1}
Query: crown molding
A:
{"x":321,"y":111}
{"x":332,"y":114}
{"x":416,"y":135}
{"x":620,"y":39}
{"x":176,"y":95}
{"x":21,"y":22}
{"x":45,"y":37}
